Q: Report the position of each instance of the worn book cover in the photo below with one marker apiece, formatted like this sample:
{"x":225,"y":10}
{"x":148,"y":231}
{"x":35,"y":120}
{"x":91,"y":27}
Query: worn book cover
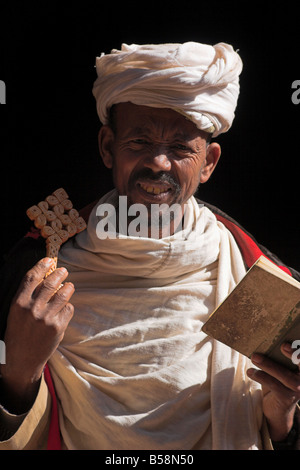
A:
{"x":261,"y":312}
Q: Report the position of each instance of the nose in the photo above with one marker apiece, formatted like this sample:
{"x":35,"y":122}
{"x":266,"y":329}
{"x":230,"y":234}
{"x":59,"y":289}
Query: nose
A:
{"x":158,"y":161}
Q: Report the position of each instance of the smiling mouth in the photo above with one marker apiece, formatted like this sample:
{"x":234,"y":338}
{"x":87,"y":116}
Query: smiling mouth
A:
{"x":154,"y":188}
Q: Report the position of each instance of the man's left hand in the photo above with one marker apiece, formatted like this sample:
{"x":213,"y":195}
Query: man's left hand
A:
{"x":281,"y":392}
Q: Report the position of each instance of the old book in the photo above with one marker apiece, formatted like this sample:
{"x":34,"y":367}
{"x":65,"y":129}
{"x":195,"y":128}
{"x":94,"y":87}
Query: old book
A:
{"x":260,"y":313}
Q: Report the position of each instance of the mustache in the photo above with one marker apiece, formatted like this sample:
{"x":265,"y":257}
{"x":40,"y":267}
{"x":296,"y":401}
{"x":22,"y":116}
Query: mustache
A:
{"x":160,"y":177}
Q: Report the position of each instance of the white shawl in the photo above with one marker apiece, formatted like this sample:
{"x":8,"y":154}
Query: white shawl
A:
{"x":134,"y":370}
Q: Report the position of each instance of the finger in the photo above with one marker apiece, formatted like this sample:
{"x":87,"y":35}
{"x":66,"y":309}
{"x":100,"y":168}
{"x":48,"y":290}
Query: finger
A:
{"x":291,"y":351}
{"x":288,"y":378}
{"x":49,"y":286}
{"x":58,"y":320}
{"x":269,"y":382}
{"x":284,"y":396}
{"x":61,"y":319}
{"x":59,"y":300}
{"x":33,"y":278}
{"x":65,"y":315}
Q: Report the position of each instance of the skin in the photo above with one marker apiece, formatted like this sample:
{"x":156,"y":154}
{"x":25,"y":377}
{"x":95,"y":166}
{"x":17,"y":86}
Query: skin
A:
{"x":157,"y":147}
{"x":38,"y":317}
{"x":281,"y":392}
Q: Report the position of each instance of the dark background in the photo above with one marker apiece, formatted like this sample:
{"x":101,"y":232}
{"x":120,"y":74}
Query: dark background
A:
{"x":49,"y":126}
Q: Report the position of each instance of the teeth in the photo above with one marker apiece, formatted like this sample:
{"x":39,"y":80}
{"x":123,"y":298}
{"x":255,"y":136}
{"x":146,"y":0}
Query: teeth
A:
{"x":152,"y":190}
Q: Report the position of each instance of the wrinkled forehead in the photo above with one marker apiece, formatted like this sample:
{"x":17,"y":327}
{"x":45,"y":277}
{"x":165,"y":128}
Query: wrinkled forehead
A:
{"x":130,"y":119}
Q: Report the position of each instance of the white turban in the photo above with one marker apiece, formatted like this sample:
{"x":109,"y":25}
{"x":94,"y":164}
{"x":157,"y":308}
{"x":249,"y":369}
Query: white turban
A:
{"x":197,"y":80}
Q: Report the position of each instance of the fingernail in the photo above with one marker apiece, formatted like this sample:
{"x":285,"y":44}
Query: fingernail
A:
{"x":70,"y":284}
{"x":48,"y":261}
{"x":287,"y":347}
{"x":62,"y":271}
{"x":251,"y":372}
{"x":257,"y":358}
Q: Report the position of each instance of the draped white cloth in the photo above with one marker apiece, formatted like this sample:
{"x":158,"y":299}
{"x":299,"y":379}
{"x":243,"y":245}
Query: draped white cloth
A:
{"x":134,"y":369}
{"x":197,"y":80}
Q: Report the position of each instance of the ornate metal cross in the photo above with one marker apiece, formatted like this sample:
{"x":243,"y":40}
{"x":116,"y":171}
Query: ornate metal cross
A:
{"x":57,"y":221}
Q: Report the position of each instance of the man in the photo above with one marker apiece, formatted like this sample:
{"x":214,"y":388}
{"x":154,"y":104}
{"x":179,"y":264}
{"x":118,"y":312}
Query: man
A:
{"x":122,"y":338}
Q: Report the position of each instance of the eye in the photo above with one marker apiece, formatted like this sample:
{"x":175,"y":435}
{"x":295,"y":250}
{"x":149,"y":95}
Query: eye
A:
{"x":181,"y":148}
{"x":138,"y":144}
{"x":139,"y":141}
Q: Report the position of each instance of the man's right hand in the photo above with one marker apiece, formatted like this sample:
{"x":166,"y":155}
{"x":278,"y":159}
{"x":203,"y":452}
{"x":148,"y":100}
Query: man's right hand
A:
{"x":39,"y":315}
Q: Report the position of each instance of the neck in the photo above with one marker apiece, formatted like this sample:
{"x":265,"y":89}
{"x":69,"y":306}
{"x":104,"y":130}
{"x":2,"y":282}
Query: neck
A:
{"x":150,"y":222}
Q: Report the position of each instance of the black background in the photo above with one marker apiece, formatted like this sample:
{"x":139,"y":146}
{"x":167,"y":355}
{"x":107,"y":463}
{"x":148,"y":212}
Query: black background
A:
{"x":49,"y":125}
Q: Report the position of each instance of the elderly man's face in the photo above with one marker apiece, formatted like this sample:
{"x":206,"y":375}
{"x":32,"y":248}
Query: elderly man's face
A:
{"x":157,"y":155}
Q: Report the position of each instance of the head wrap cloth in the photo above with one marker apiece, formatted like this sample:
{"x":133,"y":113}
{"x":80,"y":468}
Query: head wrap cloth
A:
{"x":197,"y":80}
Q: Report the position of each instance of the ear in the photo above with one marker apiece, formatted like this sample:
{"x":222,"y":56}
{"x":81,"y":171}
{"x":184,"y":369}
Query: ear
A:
{"x":213,"y":153}
{"x":105,"y":142}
